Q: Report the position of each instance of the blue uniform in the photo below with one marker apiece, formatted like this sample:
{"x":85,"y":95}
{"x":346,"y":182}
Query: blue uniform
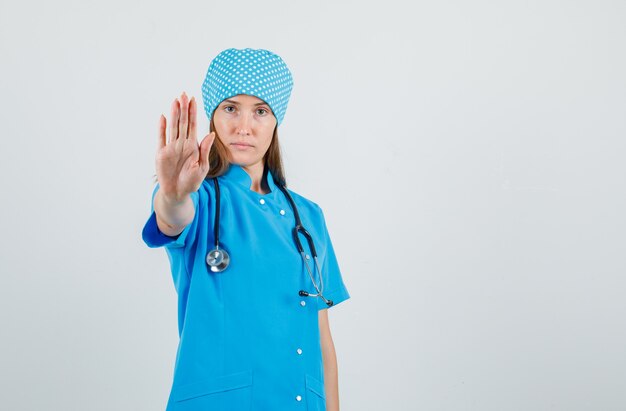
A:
{"x":248,"y":341}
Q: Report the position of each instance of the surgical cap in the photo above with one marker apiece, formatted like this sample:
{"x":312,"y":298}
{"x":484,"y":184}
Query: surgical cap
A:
{"x":256,"y":72}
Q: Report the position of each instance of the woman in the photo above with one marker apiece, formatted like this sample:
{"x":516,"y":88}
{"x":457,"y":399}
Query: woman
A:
{"x":250,"y":336}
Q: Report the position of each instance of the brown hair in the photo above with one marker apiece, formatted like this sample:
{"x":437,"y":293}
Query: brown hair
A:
{"x":219,"y":163}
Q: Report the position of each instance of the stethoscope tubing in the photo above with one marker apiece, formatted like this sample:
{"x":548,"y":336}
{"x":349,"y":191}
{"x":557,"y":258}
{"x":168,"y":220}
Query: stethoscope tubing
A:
{"x":218,"y":259}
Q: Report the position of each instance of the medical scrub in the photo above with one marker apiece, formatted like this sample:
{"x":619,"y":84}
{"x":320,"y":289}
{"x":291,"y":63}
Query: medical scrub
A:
{"x":248,"y":340}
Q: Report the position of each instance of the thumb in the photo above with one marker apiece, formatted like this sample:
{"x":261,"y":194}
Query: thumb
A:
{"x":205,"y":149}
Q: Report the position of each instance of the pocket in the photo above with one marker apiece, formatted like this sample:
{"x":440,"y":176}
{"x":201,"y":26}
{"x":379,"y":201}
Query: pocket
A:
{"x":227,"y":392}
{"x":315,"y":394}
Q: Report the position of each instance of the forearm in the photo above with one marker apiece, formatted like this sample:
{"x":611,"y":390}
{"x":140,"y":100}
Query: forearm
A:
{"x":173,"y":216}
{"x":331,"y":385}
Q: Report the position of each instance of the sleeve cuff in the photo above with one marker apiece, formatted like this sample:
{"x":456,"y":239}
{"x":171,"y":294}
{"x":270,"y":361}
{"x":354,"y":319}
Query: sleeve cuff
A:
{"x":337,"y":296}
{"x":153,"y":237}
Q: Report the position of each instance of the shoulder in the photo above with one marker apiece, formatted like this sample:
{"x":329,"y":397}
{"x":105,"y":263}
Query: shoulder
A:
{"x":310,"y":212}
{"x":305,"y":203}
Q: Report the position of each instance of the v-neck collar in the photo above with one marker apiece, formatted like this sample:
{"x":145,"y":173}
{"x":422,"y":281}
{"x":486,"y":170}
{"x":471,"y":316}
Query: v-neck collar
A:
{"x":237,"y":174}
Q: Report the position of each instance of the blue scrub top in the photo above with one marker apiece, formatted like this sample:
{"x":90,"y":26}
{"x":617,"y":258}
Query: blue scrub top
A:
{"x":248,"y":341}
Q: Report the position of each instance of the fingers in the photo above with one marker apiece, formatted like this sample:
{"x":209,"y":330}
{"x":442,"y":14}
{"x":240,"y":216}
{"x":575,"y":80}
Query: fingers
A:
{"x":161,"y":134}
{"x":192,"y":120}
{"x":174,"y":122}
{"x":183,"y":124}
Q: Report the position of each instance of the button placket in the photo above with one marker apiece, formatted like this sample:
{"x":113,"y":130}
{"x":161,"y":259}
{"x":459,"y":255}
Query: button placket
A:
{"x":281,"y":211}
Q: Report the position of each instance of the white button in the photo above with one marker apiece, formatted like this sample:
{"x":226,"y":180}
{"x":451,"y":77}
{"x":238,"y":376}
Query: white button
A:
{"x":298,"y":398}
{"x":299,"y":351}
{"x":282,"y":212}
{"x":308,"y":257}
{"x":303,"y":303}
{"x":262,"y":201}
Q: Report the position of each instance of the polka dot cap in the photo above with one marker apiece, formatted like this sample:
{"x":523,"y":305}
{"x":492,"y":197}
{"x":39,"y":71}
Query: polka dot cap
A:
{"x":256,"y":72}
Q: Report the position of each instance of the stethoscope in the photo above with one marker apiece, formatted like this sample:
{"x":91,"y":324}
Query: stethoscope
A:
{"x":218,"y":259}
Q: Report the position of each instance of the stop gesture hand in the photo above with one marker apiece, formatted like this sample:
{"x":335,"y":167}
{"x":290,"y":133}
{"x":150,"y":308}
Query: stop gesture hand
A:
{"x":181,"y":163}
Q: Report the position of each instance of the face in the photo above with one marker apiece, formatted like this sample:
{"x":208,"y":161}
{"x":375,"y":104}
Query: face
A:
{"x":245,"y":124}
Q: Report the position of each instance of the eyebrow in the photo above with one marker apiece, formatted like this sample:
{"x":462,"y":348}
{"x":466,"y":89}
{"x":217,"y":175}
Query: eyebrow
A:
{"x":234,"y":102}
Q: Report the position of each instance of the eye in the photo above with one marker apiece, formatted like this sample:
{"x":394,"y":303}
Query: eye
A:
{"x":227,"y":107}
{"x":263,"y":110}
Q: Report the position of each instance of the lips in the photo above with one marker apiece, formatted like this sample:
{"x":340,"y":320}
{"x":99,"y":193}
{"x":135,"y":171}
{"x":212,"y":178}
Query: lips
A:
{"x":241,"y":145}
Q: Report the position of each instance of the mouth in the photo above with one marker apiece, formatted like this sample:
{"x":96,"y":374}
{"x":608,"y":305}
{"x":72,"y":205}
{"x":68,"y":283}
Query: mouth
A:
{"x":241,"y":145}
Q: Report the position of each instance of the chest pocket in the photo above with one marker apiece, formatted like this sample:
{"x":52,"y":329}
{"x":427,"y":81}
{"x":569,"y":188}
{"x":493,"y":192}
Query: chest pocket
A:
{"x":228,"y":392}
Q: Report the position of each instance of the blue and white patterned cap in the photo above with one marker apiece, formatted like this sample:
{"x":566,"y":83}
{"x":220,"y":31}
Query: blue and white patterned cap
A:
{"x":256,"y":72}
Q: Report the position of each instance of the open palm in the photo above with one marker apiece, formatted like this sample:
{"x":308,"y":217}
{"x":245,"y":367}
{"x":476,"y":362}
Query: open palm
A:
{"x":182,"y":163}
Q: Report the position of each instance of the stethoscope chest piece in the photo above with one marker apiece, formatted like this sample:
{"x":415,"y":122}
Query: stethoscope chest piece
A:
{"x":217,"y":260}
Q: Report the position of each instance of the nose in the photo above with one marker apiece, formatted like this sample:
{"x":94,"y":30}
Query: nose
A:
{"x":244,"y":125}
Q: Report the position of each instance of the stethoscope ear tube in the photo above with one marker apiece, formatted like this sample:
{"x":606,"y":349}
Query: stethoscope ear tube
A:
{"x":298,"y":229}
{"x":303,"y":293}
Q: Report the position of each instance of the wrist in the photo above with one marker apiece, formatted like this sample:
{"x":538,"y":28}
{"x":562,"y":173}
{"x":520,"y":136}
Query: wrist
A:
{"x":173,"y":199}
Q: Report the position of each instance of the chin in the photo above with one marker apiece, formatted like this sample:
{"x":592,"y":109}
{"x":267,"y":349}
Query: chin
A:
{"x":243,"y":160}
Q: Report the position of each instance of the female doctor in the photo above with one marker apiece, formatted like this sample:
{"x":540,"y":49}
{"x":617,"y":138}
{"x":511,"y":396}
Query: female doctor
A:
{"x":252,"y":262}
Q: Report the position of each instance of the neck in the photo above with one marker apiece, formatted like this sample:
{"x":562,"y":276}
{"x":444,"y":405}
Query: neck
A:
{"x":255,"y":171}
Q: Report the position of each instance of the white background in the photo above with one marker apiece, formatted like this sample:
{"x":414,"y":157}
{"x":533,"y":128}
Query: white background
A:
{"x":469,"y":158}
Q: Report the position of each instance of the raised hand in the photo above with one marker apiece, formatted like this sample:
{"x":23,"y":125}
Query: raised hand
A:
{"x":181,"y":163}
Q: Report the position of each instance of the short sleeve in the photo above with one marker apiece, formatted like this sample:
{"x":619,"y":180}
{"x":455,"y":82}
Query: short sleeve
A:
{"x":334,"y":287}
{"x":153,"y":237}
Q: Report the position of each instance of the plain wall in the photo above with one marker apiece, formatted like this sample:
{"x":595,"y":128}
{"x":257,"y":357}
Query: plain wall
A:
{"x":469,"y":158}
